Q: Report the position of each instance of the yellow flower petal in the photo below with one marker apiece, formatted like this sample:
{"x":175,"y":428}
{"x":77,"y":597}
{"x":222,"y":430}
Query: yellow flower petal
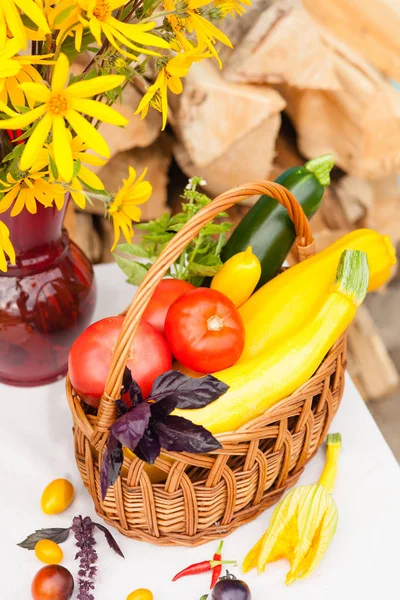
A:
{"x":90,"y":178}
{"x":24,"y":120}
{"x":175,"y":85}
{"x":62,"y":149}
{"x":33,"y":12}
{"x":8,"y":199}
{"x":36,"y":91}
{"x":14,"y":22}
{"x":99,"y":111}
{"x":97,"y":85}
{"x":136,"y":32}
{"x":77,"y":195}
{"x":15,"y":95}
{"x":60,"y":73}
{"x":86,"y":131}
{"x":95,"y":29}
{"x":35,"y":142}
{"x":6,"y":247}
{"x":8,"y":68}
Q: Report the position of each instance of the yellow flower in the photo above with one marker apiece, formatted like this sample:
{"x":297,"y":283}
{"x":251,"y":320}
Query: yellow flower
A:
{"x":123,"y":209}
{"x":169,"y":78}
{"x":65,"y":17}
{"x":17,"y":69}
{"x":6,"y":247}
{"x":302,"y":525}
{"x":231,"y":7}
{"x":10,"y":16}
{"x":29,"y":188}
{"x":84,"y":175}
{"x":192,"y":21}
{"x":100,"y":20}
{"x":65,"y":103}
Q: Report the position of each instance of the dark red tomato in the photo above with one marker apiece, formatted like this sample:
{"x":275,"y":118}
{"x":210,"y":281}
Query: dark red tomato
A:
{"x":53,"y":582}
{"x":91,"y":355}
{"x":167,"y":291}
{"x":205,"y":331}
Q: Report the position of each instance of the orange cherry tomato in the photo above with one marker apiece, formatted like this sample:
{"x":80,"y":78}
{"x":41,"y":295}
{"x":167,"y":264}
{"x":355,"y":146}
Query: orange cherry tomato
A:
{"x":49,"y":552}
{"x":141,"y":594}
{"x":57,"y":496}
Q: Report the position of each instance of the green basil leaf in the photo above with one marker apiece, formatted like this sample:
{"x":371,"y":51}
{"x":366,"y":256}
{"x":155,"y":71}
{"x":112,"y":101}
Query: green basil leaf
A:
{"x":53,"y":167}
{"x":132,"y":250}
{"x":64,"y":14}
{"x":134,"y":271}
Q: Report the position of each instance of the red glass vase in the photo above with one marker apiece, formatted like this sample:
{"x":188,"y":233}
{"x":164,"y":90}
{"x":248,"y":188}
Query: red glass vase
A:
{"x":46,"y":299}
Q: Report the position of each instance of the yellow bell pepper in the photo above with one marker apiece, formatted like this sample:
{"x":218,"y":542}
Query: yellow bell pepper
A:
{"x":261,"y":382}
{"x":302,"y":525}
{"x":238,"y":277}
{"x":286,"y":302}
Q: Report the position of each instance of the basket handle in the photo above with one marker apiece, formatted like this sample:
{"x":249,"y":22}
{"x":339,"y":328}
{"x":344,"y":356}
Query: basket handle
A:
{"x":107,"y":410}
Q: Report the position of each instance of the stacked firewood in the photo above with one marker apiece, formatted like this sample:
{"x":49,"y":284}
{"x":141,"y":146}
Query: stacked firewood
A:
{"x":304,"y":78}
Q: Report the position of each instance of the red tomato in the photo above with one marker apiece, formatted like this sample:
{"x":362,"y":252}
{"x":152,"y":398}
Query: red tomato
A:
{"x":205,"y":331}
{"x":91,"y":355}
{"x":167,"y":291}
{"x":52,"y":582}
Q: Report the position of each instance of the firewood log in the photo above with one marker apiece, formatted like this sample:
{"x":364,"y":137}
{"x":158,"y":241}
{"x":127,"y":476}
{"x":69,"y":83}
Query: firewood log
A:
{"x":370,"y":26}
{"x":226,"y":131}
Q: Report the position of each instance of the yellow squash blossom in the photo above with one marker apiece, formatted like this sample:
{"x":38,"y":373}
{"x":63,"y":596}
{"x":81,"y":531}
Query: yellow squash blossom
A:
{"x":6,"y":247}
{"x":10,"y":16}
{"x":65,"y":103}
{"x":123,"y":209}
{"x":29,"y":188}
{"x":193,"y":22}
{"x":169,"y":78}
{"x":302,"y":525}
{"x":231,"y":7}
{"x":100,"y":20}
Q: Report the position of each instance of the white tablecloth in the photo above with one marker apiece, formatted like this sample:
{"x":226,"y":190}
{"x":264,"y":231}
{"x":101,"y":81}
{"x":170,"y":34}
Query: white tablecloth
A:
{"x":36,"y":447}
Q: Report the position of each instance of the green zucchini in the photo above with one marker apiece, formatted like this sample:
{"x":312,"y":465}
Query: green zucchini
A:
{"x":267,"y":227}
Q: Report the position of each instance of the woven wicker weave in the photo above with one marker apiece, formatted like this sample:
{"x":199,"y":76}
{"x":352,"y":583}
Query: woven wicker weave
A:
{"x":206,"y":496}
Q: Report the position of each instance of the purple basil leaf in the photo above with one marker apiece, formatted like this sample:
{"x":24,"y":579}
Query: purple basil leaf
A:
{"x":189,"y":391}
{"x":111,"y":465}
{"x":121,"y":407}
{"x":56,"y":534}
{"x":129,"y":428}
{"x":110,"y":539}
{"x":135,"y":394}
{"x":180,"y":435}
{"x":148,"y":449}
{"x":160,"y":410}
{"x":126,"y":381}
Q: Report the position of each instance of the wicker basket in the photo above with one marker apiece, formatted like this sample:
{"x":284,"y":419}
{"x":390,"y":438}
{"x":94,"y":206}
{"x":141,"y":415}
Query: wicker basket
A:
{"x":207,"y":496}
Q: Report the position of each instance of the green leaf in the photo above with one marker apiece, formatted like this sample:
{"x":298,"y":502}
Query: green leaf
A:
{"x":161,"y":238}
{"x":208,"y":266}
{"x":77,"y":168}
{"x":53,"y":167}
{"x":132,"y":249}
{"x":134,"y":271}
{"x":68,"y":46}
{"x":15,"y":153}
{"x":64,"y":14}
{"x":148,"y":5}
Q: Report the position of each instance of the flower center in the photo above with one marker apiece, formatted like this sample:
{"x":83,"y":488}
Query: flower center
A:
{"x":57,"y":104}
{"x":102,"y":9}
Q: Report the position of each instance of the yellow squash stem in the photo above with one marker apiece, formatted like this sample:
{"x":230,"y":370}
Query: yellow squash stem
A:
{"x":302,"y":524}
{"x":260,"y":383}
{"x":329,"y":474}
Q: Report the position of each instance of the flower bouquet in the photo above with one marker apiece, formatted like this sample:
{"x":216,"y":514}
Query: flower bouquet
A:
{"x":50,"y":121}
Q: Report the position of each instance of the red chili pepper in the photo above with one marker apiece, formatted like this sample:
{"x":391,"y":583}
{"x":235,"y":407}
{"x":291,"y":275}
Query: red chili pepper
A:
{"x":202,"y":567}
{"x":218,"y":569}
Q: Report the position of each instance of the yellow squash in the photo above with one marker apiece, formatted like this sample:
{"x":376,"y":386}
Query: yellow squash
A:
{"x":238,"y":277}
{"x":260,"y":383}
{"x":283,"y":304}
